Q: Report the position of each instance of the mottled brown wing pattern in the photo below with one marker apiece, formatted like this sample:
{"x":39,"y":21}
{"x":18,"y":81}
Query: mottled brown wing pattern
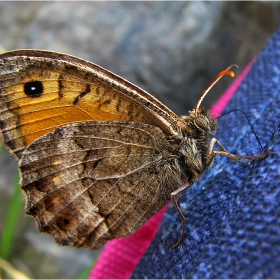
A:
{"x":87,"y":183}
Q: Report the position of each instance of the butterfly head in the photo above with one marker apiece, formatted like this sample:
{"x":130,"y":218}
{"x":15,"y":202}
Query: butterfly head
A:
{"x":204,"y":121}
{"x":200,"y":124}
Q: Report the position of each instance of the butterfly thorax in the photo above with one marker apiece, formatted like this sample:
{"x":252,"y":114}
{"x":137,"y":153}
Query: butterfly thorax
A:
{"x":195,"y":145}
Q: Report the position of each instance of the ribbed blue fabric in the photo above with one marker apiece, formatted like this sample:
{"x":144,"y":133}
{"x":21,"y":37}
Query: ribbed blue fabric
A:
{"x":233,"y":212}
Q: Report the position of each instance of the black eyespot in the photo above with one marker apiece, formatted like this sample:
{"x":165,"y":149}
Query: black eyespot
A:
{"x":34,"y":89}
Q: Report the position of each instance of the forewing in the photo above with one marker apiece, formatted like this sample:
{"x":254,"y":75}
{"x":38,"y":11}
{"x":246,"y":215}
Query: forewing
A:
{"x":41,"y":90}
{"x":87,"y":183}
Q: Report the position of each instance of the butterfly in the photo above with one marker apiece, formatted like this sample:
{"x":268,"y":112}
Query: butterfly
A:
{"x":98,"y":156}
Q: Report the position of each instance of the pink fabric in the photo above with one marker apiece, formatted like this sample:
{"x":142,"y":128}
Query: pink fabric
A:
{"x":120,"y":256}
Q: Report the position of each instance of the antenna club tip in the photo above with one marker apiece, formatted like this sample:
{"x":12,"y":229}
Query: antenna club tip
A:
{"x":232,"y":66}
{"x":228,"y":70}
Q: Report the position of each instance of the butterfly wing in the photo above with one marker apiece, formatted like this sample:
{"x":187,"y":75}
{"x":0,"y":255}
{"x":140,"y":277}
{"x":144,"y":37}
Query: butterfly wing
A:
{"x":41,"y":90}
{"x":87,"y":183}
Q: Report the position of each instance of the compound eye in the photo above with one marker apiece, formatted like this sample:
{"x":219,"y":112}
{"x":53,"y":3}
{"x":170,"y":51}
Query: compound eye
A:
{"x":202,"y":123}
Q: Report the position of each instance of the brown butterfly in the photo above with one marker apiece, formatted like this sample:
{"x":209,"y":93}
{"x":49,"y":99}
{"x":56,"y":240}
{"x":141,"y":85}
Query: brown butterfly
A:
{"x":98,"y":156}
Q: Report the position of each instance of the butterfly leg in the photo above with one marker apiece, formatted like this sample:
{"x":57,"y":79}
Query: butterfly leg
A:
{"x":175,"y":200}
{"x":178,"y":198}
{"x":225,"y":153}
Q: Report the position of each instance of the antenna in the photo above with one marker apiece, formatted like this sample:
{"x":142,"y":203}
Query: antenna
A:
{"x":219,"y":76}
{"x":237,"y":109}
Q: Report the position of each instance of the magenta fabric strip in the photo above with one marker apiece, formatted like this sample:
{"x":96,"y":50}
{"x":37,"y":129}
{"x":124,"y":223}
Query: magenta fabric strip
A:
{"x":120,"y":256}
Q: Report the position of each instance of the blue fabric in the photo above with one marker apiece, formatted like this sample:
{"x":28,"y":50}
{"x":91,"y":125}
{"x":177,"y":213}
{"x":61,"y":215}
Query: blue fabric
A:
{"x":233,"y":212}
